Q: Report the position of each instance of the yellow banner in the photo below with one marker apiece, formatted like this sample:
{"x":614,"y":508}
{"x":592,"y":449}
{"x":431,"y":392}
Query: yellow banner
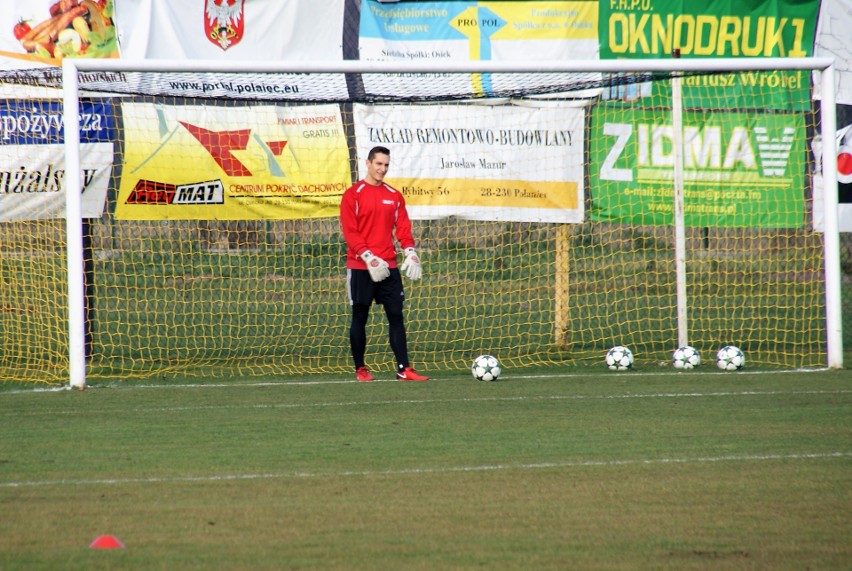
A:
{"x":488,"y":193}
{"x":232,"y":163}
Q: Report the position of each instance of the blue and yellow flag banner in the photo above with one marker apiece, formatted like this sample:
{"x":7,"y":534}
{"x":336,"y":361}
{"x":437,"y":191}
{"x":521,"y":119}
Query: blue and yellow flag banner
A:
{"x":473,"y":31}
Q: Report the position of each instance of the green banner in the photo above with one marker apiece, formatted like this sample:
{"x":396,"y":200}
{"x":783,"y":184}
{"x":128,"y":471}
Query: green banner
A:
{"x":637,"y":29}
{"x":740,"y":169}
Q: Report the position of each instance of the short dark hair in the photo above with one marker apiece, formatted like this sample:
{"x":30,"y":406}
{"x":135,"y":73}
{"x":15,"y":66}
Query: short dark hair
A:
{"x":377,"y":151}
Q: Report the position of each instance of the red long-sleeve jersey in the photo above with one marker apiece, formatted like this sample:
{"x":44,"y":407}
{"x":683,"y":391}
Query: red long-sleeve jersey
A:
{"x":368,"y":216}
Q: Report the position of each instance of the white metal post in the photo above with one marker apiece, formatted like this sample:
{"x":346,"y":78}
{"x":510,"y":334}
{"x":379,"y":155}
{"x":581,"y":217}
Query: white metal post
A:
{"x":680,"y":232}
{"x":74,"y":227}
{"x":831,"y":236}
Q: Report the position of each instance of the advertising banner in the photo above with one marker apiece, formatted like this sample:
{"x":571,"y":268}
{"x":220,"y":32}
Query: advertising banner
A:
{"x":480,"y":162}
{"x":717,"y":28}
{"x":36,"y":35}
{"x":271,"y":87}
{"x":834,"y":40}
{"x":32,"y":158}
{"x":473,"y":31}
{"x":44,"y":32}
{"x":844,"y":181}
{"x":241,"y":30}
{"x":232,"y":163}
{"x":740,"y":169}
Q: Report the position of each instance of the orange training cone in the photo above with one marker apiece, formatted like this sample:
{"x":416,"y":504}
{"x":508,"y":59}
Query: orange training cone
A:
{"x":106,"y":542}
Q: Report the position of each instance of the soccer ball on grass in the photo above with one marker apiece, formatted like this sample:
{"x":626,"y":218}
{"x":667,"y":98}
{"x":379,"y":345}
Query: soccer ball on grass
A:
{"x":730,"y":358}
{"x":485,"y":368}
{"x":619,"y":358}
{"x":686,"y":357}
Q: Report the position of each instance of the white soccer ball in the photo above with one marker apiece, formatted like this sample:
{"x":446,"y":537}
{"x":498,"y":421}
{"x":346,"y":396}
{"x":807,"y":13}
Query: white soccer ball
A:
{"x":619,"y":358}
{"x":730,"y":358}
{"x":486,"y":368}
{"x":686,"y":357}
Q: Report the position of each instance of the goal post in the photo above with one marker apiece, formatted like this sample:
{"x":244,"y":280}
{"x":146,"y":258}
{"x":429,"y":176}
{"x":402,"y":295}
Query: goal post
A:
{"x":833,"y":304}
{"x":74,"y":229}
{"x":526,"y":261}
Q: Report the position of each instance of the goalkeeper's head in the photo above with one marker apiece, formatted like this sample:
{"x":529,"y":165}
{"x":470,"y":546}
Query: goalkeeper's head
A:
{"x":378,"y":151}
{"x":378,"y":162}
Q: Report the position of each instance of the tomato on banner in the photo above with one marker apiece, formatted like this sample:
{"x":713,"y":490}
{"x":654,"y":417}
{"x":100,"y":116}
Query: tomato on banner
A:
{"x":844,"y":157}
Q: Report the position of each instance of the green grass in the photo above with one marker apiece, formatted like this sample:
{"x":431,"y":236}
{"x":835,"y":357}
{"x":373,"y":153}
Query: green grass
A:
{"x":544,"y":469}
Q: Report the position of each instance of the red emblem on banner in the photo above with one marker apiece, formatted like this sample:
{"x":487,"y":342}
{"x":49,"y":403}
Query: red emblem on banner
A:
{"x":223,"y":22}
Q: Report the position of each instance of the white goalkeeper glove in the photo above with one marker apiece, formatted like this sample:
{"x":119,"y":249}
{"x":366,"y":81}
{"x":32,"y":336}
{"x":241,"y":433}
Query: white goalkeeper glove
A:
{"x":377,"y":267}
{"x":411,"y":265}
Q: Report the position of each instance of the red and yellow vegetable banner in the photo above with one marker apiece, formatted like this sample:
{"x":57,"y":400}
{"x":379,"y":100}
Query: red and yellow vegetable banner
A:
{"x":47,"y":31}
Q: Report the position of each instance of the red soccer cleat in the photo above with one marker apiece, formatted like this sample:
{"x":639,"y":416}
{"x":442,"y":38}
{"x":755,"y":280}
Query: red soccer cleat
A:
{"x":363,"y":374}
{"x":409,"y":374}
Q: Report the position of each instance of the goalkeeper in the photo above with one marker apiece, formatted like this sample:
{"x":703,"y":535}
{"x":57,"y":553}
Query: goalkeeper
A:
{"x":369,"y":212}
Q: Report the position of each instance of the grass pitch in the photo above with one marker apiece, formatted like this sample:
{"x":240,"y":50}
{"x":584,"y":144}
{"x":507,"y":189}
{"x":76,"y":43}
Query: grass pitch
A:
{"x":548,"y":469}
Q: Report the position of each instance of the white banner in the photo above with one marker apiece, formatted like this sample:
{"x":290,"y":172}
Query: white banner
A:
{"x":32,"y":158}
{"x":834,"y":40}
{"x":32,"y":180}
{"x":481,"y":162}
{"x":844,"y":181}
{"x":231,"y":30}
{"x":232,"y":85}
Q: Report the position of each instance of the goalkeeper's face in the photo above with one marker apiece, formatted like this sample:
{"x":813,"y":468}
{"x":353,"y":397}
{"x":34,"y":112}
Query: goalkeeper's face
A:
{"x":377,"y":168}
